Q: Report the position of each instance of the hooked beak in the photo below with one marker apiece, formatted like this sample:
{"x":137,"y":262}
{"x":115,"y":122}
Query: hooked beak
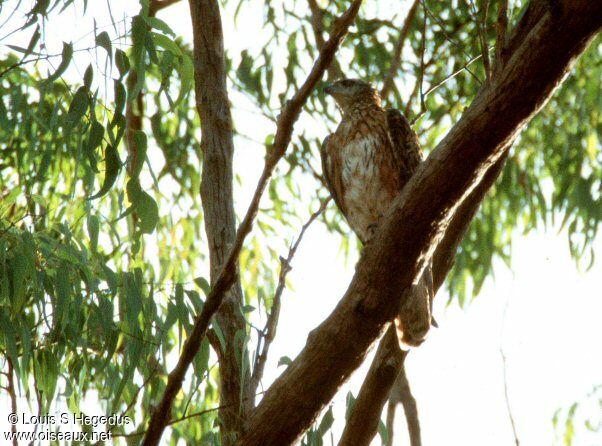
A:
{"x":329,"y":89}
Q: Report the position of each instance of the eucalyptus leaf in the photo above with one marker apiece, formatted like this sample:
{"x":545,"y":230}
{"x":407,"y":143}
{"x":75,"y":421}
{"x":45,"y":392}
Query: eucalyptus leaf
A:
{"x":66,"y":56}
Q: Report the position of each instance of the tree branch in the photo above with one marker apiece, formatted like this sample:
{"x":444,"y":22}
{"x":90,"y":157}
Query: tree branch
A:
{"x":482,"y":29}
{"x":542,"y":55}
{"x":134,"y":112}
{"x":452,"y":75}
{"x":227,"y":277}
{"x":157,"y":5}
{"x":401,"y":393}
{"x":397,"y":52}
{"x":505,"y":377}
{"x":317,"y":24}
{"x":450,"y":40}
{"x":507,"y":399}
{"x":385,"y":367}
{"x":371,"y":403}
{"x":269,"y":331}
{"x":502,"y":25}
{"x":420,"y":81}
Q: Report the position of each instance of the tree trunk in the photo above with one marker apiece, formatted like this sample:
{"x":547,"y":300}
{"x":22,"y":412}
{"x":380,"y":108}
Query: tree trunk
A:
{"x":218,"y":209}
{"x":229,"y":272}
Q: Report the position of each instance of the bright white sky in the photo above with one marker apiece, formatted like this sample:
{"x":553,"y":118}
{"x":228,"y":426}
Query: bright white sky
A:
{"x":552,"y":324}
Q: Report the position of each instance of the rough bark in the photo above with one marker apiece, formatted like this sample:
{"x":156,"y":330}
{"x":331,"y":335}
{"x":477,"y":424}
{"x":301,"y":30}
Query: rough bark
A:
{"x":218,"y":211}
{"x":542,"y":50}
{"x":217,"y":145}
{"x":377,"y":385}
{"x":228,"y":274}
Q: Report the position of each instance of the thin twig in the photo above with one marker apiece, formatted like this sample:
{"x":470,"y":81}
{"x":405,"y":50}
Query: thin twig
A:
{"x":391,"y":409}
{"x":363,"y":422}
{"x":134,"y":117}
{"x":269,"y":332}
{"x":410,"y":102}
{"x":504,"y":371}
{"x":451,"y":76}
{"x":397,"y":52}
{"x":317,"y":24}
{"x":225,"y":280}
{"x":36,"y":387}
{"x":420,"y":81}
{"x":132,"y":402}
{"x":452,"y":41}
{"x":39,"y":58}
{"x":9,"y":17}
{"x":482,"y":28}
{"x":140,"y":387}
{"x":182,"y":418}
{"x":434,"y":87}
{"x":506,"y":397}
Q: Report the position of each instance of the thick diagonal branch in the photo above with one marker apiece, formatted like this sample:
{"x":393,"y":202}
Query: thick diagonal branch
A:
{"x":363,"y":422}
{"x":542,"y":51}
{"x":289,"y":115}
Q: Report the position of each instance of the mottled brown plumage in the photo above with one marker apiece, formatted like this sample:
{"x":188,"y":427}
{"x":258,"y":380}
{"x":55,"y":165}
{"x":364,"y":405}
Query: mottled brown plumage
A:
{"x":366,"y":162}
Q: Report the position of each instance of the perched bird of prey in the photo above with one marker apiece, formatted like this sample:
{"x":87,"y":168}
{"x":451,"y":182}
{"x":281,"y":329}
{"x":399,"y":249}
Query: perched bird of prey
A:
{"x":366,"y":162}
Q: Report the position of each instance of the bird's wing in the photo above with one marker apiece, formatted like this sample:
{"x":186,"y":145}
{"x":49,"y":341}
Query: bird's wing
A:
{"x":406,"y":149}
{"x":412,"y":324}
{"x":331,"y":169}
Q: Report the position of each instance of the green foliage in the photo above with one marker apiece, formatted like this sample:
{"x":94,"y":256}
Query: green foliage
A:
{"x":102,"y":248}
{"x":75,"y":227}
{"x":315,"y":435}
{"x":580,"y":421}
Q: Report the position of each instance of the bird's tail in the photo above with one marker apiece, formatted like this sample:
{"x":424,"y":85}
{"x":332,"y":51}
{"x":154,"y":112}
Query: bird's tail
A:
{"x":415,"y":318}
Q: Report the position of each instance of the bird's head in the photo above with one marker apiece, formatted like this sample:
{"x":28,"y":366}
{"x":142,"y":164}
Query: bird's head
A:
{"x":349,"y":92}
